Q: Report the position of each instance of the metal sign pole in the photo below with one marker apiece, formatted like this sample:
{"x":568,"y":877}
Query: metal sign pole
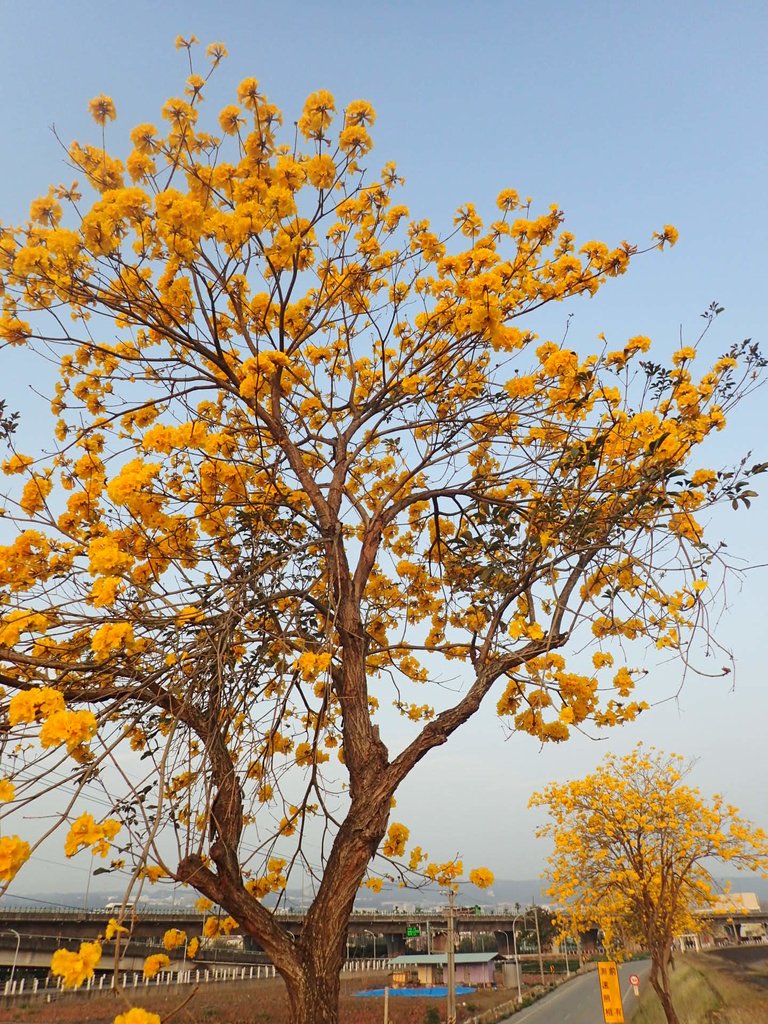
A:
{"x":451,"y":964}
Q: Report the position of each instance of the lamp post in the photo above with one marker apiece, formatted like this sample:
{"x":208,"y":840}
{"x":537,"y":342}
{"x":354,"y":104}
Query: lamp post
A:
{"x":373,"y":936}
{"x":12,"y":931}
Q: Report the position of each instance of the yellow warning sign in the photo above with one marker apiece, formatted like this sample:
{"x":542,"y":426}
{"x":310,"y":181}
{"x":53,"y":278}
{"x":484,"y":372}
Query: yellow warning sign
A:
{"x":610,"y":992}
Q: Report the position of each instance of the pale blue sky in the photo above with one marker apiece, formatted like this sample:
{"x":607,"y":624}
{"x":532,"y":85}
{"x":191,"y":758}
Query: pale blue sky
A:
{"x":626,"y":115}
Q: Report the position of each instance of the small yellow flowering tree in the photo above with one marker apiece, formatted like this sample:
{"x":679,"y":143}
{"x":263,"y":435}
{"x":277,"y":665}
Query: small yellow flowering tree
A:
{"x":632,"y":848}
{"x":309,"y":457}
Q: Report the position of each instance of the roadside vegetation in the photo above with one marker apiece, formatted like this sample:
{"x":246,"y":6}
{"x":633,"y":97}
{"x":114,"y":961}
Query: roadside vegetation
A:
{"x":709,"y":989}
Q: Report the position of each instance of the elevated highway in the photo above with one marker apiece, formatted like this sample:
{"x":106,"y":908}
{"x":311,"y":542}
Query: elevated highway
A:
{"x":66,"y":925}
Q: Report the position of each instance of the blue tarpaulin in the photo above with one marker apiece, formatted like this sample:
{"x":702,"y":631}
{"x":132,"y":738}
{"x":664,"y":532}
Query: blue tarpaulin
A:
{"x":424,"y":993}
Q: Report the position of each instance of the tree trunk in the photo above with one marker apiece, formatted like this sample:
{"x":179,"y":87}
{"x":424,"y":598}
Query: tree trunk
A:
{"x":314,"y":999}
{"x":659,"y":979}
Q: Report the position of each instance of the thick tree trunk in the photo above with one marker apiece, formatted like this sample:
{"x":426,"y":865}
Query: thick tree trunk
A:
{"x":314,"y":999}
{"x":314,"y":995}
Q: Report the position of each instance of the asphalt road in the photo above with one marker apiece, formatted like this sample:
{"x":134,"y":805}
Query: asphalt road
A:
{"x":578,"y":1001}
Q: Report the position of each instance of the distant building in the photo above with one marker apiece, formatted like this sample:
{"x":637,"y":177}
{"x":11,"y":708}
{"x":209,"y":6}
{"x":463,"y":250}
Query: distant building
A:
{"x":734,"y":903}
{"x":476,"y":969}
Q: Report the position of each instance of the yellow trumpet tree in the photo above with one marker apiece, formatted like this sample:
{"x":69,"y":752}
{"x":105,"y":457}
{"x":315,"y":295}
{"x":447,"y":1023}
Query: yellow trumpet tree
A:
{"x":633,"y":845}
{"x":308,"y":461}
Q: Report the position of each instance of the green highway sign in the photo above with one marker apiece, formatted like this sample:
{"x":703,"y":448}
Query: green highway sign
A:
{"x":412,"y":930}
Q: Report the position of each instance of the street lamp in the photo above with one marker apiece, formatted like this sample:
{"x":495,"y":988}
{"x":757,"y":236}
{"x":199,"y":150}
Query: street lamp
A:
{"x":12,"y":931}
{"x":373,"y":936}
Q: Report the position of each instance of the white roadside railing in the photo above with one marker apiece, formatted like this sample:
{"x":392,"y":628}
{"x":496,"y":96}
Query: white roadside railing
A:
{"x":21,"y":986}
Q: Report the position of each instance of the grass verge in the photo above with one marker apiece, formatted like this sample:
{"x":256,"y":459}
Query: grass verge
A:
{"x":711,"y":990}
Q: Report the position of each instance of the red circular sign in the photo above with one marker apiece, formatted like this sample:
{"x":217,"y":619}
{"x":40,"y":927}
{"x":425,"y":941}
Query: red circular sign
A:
{"x":634,"y":980}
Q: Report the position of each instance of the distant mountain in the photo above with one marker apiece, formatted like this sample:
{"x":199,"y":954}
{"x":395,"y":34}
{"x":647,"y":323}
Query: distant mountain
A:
{"x":504,"y":894}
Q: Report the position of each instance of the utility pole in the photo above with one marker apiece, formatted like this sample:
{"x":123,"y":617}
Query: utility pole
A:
{"x":451,"y":963}
{"x":515,"y":919}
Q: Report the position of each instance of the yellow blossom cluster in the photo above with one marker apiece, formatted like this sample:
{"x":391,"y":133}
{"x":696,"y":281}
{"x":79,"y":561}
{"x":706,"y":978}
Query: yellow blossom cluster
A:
{"x":75,"y":968}
{"x":13,"y":853}
{"x":481,"y":877}
{"x":174,"y":938}
{"x":60,"y":725}
{"x":137,"y":1015}
{"x":114,"y":929}
{"x":156,"y":963}
{"x":397,"y":837}
{"x":85,"y":831}
{"x":273,"y":881}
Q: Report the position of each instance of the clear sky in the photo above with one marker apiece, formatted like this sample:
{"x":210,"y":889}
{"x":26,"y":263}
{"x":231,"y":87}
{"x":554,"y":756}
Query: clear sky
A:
{"x":628,"y":116}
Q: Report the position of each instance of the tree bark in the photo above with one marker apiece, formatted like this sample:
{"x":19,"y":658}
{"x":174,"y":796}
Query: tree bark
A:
{"x":659,"y":979}
{"x":314,"y":997}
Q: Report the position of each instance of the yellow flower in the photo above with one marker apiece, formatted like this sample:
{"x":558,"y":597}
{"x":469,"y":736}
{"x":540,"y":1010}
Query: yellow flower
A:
{"x":71,"y":727}
{"x":481,"y":877}
{"x":7,"y":791}
{"x":601,"y":658}
{"x":321,"y":171}
{"x":112,"y":636}
{"x":75,"y":968}
{"x":105,"y":590}
{"x":137,"y":1015}
{"x":153,"y":873}
{"x":13,"y":852}
{"x":41,"y":702}
{"x":155,"y":963}
{"x":85,"y":832}
{"x":508,"y":199}
{"x":16,"y":464}
{"x":36,"y":490}
{"x":174,"y":938}
{"x":216,"y":52}
{"x":193,"y":947}
{"x":360,"y":112}
{"x":683,"y":355}
{"x":113,"y":929}
{"x":397,"y":837}
{"x":230,"y":120}
{"x":102,"y":109}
